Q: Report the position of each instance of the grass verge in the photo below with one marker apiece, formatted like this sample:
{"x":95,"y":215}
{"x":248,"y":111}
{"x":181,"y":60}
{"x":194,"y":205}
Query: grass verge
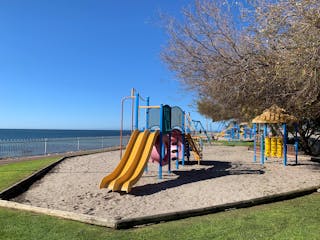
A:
{"x":14,"y":172}
{"x":294,"y":219}
{"x":233,"y":143}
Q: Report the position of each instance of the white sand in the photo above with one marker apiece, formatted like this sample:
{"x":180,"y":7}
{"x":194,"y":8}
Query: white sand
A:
{"x":227,"y":174}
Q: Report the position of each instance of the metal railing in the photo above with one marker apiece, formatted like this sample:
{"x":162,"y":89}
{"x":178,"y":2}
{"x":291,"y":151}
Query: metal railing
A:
{"x":45,"y":146}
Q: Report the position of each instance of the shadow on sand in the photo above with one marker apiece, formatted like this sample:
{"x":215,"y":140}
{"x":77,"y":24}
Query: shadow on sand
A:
{"x":217,"y":169}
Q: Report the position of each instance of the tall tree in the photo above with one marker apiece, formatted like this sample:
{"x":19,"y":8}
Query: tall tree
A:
{"x":242,"y":57}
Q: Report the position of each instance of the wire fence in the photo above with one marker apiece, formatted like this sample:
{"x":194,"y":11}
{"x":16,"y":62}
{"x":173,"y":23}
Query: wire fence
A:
{"x":45,"y":146}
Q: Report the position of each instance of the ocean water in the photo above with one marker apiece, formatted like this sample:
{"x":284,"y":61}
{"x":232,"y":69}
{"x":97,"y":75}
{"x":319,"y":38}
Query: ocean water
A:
{"x":6,"y":134}
{"x":32,"y":142}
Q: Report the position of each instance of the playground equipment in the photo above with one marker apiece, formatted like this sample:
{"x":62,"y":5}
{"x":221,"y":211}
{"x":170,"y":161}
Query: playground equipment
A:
{"x":161,"y":139}
{"x":227,"y":133}
{"x":246,"y":131}
{"x":196,"y":148}
{"x":275,"y":146}
{"x":199,"y":128}
{"x":132,"y":164}
{"x":235,"y":131}
{"x":195,"y":126}
{"x":195,"y":142}
{"x":219,"y":126}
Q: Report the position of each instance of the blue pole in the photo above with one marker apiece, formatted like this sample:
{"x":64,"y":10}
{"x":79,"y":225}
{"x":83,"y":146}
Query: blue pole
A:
{"x":232,"y":133}
{"x":183,"y":148}
{"x":136,"y":125}
{"x":147,"y":113}
{"x":285,"y":144}
{"x":254,"y":143}
{"x":169,"y":153}
{"x":177,"y":156}
{"x":296,"y":142}
{"x":183,"y":136}
{"x":245,"y":132}
{"x":262,"y":149}
{"x":238,"y":133}
{"x":265,"y":133}
{"x":161,"y":142}
{"x":147,"y":124}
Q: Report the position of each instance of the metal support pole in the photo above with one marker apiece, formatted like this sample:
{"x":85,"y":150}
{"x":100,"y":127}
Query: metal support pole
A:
{"x":232,"y":133}
{"x":284,"y":144}
{"x":296,"y":142}
{"x":161,"y":142}
{"x":265,"y":133}
{"x":254,"y":142}
{"x":177,"y":154}
{"x":169,"y":154}
{"x":262,"y":149}
{"x":238,"y":133}
{"x":136,"y":125}
{"x":183,"y":137}
{"x":244,"y":132}
{"x":132,"y":108}
{"x":147,"y":113}
{"x":147,"y":125}
{"x":45,"y":146}
{"x":121,"y":120}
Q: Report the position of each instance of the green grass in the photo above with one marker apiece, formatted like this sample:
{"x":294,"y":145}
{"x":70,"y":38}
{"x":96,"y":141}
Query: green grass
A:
{"x":233,"y":143}
{"x":294,"y":219}
{"x":14,"y":172}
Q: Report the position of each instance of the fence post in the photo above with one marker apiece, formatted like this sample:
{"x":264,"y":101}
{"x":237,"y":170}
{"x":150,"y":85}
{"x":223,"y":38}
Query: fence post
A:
{"x":78,"y":147}
{"x":45,"y":146}
{"x":102,"y":142}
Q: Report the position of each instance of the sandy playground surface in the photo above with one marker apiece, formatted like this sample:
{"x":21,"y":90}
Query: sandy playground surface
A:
{"x":227,"y":174}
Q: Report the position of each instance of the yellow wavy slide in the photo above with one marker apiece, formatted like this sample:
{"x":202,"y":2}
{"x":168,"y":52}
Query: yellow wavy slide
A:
{"x":195,"y":149}
{"x":133,"y":162}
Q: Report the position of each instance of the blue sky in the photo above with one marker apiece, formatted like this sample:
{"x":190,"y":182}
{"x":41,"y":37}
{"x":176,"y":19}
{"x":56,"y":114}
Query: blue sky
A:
{"x":67,"y":64}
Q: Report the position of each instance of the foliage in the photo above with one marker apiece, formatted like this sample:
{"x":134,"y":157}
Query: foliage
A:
{"x":310,"y":136}
{"x":243,"y":56}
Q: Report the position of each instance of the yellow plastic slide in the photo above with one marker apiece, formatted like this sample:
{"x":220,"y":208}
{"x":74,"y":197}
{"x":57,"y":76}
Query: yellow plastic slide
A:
{"x":195,"y":149}
{"x":133,"y":162}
